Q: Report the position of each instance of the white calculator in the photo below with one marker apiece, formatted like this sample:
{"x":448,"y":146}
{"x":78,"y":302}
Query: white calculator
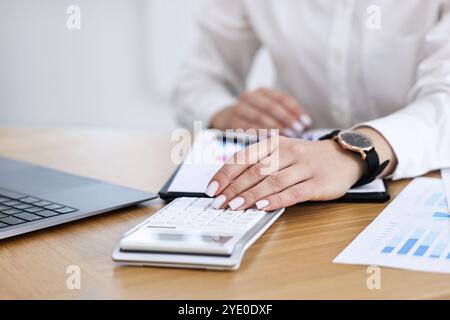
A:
{"x":190,"y":233}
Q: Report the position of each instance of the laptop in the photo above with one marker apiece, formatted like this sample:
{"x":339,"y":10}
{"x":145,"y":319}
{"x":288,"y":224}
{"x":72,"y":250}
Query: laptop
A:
{"x":33,"y":197}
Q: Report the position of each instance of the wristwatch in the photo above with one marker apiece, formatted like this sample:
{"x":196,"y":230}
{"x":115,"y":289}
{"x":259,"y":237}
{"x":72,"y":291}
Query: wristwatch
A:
{"x":363,"y":145}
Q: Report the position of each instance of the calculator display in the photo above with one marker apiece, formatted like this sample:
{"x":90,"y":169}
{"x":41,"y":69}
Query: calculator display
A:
{"x":196,"y":238}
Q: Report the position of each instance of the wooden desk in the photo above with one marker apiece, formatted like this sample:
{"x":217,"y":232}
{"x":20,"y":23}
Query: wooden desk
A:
{"x":290,"y":261}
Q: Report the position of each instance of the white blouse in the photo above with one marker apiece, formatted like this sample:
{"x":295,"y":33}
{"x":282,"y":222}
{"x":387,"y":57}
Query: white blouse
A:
{"x":383,"y":63}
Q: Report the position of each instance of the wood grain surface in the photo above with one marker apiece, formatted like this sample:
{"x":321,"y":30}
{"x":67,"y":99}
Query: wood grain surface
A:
{"x":292,"y":260}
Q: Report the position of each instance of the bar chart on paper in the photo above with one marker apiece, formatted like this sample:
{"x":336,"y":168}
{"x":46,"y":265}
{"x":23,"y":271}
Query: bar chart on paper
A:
{"x":412,"y":233}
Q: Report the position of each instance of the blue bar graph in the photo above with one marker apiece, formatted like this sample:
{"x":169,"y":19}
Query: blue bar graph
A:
{"x":431,"y":201}
{"x":395,"y":241}
{"x":440,"y":248}
{"x":425,"y":246}
{"x":443,"y":203}
{"x":437,"y":252}
{"x":388,"y":249}
{"x":411,"y":242}
{"x":441,"y":216}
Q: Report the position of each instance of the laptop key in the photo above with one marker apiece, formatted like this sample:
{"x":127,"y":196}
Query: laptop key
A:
{"x":53,"y":207}
{"x":3,"y":207}
{"x":47,"y":213}
{"x":33,"y":209}
{"x":11,"y":195}
{"x":3,"y":215}
{"x":66,"y":210}
{"x":30,"y":200}
{"x":12,"y":203}
{"x":3,"y":225}
{"x":42,"y":203}
{"x":12,"y":221}
{"x":23,"y":206}
{"x":11,"y":211}
{"x":27,"y":216}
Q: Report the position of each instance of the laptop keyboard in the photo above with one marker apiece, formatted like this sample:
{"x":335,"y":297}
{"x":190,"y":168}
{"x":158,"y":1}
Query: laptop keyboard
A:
{"x":16,"y":209}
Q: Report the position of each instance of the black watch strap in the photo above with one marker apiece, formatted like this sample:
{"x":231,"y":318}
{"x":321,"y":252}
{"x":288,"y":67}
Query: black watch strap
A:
{"x":330,"y":135}
{"x":374,"y":168}
{"x":372,"y":160}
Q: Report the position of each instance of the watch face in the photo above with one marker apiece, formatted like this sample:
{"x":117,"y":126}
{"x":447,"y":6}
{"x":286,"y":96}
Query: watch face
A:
{"x":356,"y":139}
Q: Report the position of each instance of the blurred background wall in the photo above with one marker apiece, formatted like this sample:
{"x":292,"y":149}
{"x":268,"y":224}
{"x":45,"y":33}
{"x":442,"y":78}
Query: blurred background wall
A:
{"x":116,"y":71}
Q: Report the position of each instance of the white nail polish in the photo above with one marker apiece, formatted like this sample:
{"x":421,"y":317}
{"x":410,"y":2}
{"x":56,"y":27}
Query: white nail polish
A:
{"x":297,"y":126}
{"x":262,"y":204}
{"x":236,"y":203}
{"x":212,"y":189}
{"x":306,"y":120}
{"x":288,"y":133}
{"x":219,"y":201}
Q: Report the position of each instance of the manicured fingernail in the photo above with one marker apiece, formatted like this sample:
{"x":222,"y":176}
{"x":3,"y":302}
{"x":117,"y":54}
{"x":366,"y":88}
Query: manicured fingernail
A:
{"x":306,"y":120}
{"x":236,"y":203}
{"x":219,"y":201}
{"x":288,"y":133}
{"x":262,"y":204}
{"x":297,"y":126}
{"x":212,"y":189}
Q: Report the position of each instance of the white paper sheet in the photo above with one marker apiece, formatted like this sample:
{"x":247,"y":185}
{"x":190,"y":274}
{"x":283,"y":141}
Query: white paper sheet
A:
{"x":446,"y":180}
{"x":373,"y":187}
{"x":413,"y":232}
{"x":208,"y":154}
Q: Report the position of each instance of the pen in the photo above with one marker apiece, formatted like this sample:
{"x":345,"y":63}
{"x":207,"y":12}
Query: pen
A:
{"x":237,"y":138}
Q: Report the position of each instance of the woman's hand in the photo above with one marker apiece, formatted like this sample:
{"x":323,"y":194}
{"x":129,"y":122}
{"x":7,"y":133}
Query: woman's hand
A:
{"x":303,"y":171}
{"x":264,"y":109}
